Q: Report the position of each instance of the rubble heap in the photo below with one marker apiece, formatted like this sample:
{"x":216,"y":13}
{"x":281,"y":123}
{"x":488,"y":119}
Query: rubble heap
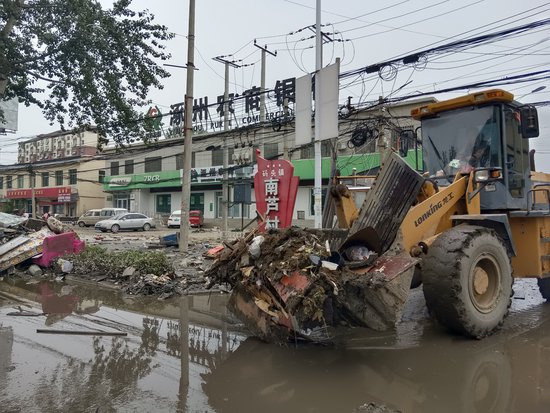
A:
{"x":287,"y":284}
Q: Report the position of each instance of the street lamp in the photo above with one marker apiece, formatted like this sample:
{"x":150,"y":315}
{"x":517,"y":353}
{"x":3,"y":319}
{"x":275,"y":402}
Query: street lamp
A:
{"x":538,"y":89}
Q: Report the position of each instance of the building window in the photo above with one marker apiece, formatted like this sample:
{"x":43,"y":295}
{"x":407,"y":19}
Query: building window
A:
{"x":20,"y":181}
{"x":114,"y":168}
{"x":59,"y":178}
{"x":153,"y":164}
{"x":45,"y":179}
{"x":1,"y":182}
{"x":179,"y":162}
{"x":164,"y":204}
{"x":101,"y":177}
{"x":217,"y":157}
{"x":309,"y":152}
{"x":271,"y":150}
{"x":129,"y":166}
{"x":72,"y":176}
{"x":8,"y":182}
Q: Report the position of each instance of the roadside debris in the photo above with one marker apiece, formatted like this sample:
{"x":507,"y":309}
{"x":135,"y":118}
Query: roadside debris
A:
{"x":23,"y":239}
{"x":287,"y":284}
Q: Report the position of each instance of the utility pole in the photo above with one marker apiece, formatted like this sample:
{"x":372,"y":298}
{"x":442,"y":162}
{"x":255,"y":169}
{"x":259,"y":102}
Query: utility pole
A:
{"x":32,"y":184}
{"x":188,"y":127}
{"x":382,"y":144}
{"x":286,"y":156}
{"x":225,"y":179}
{"x":317,"y":191}
{"x":262,"y":85}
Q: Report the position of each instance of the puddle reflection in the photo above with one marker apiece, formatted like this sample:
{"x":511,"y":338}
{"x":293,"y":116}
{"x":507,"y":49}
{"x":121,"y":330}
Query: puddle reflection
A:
{"x":186,"y":355}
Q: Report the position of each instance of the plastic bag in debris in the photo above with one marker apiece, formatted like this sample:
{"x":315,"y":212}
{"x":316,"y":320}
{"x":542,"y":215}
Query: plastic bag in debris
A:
{"x":64,"y":265}
{"x":254,"y":247}
{"x":358,"y":253}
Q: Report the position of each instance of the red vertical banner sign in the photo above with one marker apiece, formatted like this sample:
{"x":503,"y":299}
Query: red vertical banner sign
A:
{"x":275,"y":188}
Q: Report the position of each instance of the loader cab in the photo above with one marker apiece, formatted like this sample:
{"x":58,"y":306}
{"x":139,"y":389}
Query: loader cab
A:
{"x":484,"y":130}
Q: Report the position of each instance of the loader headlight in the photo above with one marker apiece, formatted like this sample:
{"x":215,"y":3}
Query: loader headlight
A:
{"x":481,"y":176}
{"x":487,"y":175}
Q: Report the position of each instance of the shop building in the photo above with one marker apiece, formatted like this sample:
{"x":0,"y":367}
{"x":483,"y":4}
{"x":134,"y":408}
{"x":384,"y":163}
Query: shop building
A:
{"x":60,"y":170}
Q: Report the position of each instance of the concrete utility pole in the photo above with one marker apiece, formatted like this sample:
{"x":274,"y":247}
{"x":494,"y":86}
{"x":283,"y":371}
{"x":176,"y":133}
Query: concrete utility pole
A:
{"x":382,"y":144}
{"x":188,"y":127}
{"x":262,"y":85}
{"x":317,"y":191}
{"x":32,"y":184}
{"x":225,"y":179}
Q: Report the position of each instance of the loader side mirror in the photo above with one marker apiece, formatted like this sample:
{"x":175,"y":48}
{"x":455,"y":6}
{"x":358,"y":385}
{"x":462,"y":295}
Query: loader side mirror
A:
{"x":406,"y":139}
{"x":529,"y":122}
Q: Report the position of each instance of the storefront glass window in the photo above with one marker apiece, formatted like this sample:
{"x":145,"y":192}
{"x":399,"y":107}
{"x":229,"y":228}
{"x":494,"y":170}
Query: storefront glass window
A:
{"x":164,"y":204}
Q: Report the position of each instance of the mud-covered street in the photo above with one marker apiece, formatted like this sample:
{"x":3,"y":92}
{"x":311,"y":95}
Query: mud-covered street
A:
{"x":188,"y":354}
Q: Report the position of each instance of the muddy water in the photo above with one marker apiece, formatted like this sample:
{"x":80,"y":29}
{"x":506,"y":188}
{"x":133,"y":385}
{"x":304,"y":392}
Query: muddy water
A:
{"x":189,"y":355}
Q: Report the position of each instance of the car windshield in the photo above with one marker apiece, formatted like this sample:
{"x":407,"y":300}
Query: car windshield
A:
{"x":461,"y":140}
{"x":176,"y":215}
{"x":118,"y":216}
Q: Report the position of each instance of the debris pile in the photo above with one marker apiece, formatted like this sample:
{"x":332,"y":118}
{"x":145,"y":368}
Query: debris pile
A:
{"x":143,"y":272}
{"x":23,"y":239}
{"x":288,"y":284}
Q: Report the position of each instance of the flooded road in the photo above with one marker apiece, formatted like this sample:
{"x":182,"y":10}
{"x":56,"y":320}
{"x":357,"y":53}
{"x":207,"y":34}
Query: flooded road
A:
{"x":189,"y":355}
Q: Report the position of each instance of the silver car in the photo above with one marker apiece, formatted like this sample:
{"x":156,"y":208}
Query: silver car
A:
{"x":126,"y":221}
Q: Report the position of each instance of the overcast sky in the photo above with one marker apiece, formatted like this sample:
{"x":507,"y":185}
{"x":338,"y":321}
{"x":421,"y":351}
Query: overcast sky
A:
{"x":371,"y":32}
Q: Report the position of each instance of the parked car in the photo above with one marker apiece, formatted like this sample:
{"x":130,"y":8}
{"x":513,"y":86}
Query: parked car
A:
{"x":93,"y":216}
{"x":195,"y":219}
{"x":174,"y":219}
{"x":126,"y":221}
{"x":90,"y":218}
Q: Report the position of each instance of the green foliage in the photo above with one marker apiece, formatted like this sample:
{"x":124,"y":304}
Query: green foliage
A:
{"x":80,"y":63}
{"x":96,"y":259}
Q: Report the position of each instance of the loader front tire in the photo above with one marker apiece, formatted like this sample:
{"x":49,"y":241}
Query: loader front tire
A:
{"x":468,"y":280}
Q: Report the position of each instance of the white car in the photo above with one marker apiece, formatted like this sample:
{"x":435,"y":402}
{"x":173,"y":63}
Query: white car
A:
{"x":174,"y":220}
{"x":126,"y":221}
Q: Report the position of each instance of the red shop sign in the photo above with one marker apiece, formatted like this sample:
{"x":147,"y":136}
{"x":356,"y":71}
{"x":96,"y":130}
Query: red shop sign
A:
{"x":38,"y":193}
{"x":275,"y":188}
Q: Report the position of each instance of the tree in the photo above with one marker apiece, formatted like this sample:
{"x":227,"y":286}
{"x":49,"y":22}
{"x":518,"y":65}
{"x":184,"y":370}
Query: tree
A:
{"x":80,"y":63}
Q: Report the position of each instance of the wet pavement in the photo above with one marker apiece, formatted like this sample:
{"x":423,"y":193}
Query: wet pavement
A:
{"x":189,"y":355}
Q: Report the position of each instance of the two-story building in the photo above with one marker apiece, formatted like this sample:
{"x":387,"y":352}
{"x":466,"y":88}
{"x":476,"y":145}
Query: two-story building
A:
{"x":60,"y":170}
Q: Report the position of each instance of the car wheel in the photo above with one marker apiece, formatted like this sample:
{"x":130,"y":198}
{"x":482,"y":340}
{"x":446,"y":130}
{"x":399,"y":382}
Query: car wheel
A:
{"x":146,"y":227}
{"x":115,"y":228}
{"x":81,"y":224}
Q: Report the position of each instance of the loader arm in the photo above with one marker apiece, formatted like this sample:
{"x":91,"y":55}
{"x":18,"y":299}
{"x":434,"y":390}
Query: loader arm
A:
{"x":431,"y":217}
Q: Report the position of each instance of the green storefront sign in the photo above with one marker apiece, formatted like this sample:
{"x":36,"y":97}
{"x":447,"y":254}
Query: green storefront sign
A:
{"x":141,"y":181}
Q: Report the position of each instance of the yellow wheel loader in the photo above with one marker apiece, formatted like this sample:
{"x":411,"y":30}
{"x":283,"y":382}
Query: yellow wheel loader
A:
{"x":474,"y":217}
{"x":482,"y":216}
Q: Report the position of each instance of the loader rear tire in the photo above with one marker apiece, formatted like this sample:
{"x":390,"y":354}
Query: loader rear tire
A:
{"x":544,"y":288}
{"x":468,"y":280}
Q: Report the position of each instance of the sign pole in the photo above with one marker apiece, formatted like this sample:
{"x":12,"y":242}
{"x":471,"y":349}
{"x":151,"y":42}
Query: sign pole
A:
{"x":317,"y":191}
